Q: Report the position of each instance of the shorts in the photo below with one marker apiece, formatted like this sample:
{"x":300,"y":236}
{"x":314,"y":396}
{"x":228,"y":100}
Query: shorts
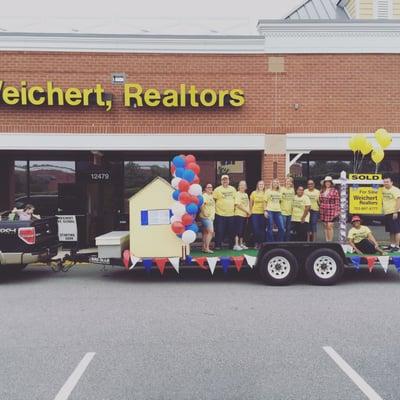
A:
{"x":207,"y":224}
{"x":314,"y":215}
{"x":240,"y":225}
{"x":392,"y":225}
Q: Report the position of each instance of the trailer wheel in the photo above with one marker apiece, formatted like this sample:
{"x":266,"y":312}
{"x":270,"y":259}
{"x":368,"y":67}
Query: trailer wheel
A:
{"x":278,"y":267}
{"x":324,"y":267}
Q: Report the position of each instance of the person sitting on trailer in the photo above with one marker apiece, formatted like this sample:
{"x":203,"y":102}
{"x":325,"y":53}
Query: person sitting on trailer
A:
{"x":300,"y":216}
{"x":361,"y":238}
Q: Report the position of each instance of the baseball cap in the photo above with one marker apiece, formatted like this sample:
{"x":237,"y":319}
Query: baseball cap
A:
{"x":224,"y":177}
{"x":355,"y":218}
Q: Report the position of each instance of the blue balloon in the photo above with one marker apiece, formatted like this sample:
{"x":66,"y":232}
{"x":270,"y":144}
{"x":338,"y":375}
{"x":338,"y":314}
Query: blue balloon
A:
{"x":192,"y":208}
{"x":193,"y":227}
{"x":189,"y":175}
{"x":176,"y":194}
{"x":178,"y":161}
{"x":201,"y":200}
{"x":179,"y":172}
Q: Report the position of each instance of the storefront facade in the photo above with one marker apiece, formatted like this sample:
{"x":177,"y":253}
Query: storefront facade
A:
{"x":255,"y":107}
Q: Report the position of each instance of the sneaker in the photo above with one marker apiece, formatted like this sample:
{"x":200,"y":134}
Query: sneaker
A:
{"x":237,"y":248}
{"x":244,"y":247}
{"x":393,"y":248}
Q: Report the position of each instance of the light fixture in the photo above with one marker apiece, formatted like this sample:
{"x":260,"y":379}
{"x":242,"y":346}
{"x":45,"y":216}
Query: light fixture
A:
{"x":118,"y":78}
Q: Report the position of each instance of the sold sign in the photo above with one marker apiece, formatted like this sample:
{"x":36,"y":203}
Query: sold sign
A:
{"x":365,"y":177}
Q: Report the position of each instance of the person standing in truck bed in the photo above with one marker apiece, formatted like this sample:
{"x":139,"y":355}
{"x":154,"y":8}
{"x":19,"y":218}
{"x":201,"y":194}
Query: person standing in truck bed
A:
{"x":27,"y":213}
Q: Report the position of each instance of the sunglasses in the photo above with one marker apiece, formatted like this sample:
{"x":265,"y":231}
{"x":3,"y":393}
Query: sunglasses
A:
{"x":209,"y":187}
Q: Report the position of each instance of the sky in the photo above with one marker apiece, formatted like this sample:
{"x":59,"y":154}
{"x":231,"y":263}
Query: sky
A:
{"x":251,"y":9}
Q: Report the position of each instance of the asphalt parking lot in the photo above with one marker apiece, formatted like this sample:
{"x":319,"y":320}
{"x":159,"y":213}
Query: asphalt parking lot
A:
{"x":109,"y":335}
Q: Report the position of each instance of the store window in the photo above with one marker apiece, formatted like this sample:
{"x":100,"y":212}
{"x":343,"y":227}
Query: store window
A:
{"x":234,"y":168}
{"x":21,"y":179}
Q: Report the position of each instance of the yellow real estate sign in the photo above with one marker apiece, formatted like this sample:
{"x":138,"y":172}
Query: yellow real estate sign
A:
{"x":365,"y":200}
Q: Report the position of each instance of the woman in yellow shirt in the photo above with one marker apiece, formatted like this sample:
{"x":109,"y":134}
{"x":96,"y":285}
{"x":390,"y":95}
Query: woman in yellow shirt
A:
{"x":207,"y":215}
{"x":313,"y":194}
{"x":300,"y":215}
{"x":242,"y":212}
{"x":257,"y":213}
{"x":273,"y":211}
{"x":286,"y":205}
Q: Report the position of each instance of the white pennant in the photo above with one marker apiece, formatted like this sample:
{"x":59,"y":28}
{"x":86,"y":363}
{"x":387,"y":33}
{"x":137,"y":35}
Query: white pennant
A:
{"x":134,"y":261}
{"x":384,"y":260}
{"x":175,"y":263}
{"x":212,"y":262}
{"x":251,"y":261}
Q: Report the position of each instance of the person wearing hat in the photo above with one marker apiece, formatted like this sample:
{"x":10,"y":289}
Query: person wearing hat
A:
{"x":224,"y":196}
{"x":329,"y":207}
{"x":361,"y":238}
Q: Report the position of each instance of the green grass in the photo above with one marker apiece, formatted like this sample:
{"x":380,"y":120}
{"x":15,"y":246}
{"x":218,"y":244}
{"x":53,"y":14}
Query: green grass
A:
{"x":224,"y":253}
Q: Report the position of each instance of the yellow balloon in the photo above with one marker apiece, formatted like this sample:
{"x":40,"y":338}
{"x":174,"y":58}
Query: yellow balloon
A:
{"x":377,"y":155}
{"x":383,"y":137}
{"x":359,"y":141}
{"x":366,"y":148}
{"x":352,"y":144}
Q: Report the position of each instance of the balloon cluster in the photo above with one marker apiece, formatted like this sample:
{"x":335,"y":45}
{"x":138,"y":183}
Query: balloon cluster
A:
{"x":187,"y":197}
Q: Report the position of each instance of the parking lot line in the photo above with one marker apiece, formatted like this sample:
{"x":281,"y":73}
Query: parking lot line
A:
{"x":357,"y":379}
{"x":72,"y":381}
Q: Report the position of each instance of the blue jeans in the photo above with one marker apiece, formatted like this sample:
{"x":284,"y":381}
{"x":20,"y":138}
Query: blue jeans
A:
{"x":275,"y":217}
{"x":286,"y":219}
{"x":258,"y":224}
{"x":224,"y":226}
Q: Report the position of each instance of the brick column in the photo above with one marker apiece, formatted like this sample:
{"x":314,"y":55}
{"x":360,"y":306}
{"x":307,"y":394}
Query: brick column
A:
{"x":274,"y":167}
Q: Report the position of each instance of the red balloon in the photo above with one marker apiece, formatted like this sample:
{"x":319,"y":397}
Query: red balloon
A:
{"x":196,"y":180}
{"x":194,"y":167}
{"x":185,"y":198}
{"x":187,"y":219}
{"x":183,"y":185}
{"x":194,"y":199}
{"x":178,"y":227}
{"x":173,"y":169}
{"x":190,"y":158}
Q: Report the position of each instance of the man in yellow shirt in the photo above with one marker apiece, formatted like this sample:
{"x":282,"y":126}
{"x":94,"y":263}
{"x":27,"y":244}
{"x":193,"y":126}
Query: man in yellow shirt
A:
{"x":300,"y":215}
{"x":313,"y":195}
{"x":361,"y":238}
{"x":224,"y":196}
{"x":391,"y":210}
{"x":242,"y":212}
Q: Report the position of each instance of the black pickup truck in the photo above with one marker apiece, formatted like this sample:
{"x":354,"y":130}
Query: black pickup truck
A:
{"x":25,"y":242}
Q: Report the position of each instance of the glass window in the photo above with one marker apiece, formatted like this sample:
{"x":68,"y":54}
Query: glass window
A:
{"x":235,"y":170}
{"x":21,"y":180}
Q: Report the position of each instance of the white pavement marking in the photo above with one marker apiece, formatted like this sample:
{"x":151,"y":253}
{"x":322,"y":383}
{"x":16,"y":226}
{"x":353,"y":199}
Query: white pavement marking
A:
{"x":362,"y":385}
{"x":72,"y":381}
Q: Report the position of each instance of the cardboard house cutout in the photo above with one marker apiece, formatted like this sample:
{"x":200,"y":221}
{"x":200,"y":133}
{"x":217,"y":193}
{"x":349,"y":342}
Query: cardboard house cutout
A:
{"x":149,"y":220}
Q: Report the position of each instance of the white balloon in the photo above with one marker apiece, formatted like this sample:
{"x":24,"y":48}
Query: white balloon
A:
{"x":175,"y":182}
{"x":195,"y":189}
{"x":178,"y":209}
{"x":188,"y":237}
{"x":175,"y":218}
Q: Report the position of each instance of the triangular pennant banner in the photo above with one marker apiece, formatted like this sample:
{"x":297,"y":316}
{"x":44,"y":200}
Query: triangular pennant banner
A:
{"x":201,"y":261}
{"x":225,"y":262}
{"x":251,"y":261}
{"x":160,"y":262}
{"x":396,"y":262}
{"x":134,"y":261}
{"x":147,"y":264}
{"x":347,"y":248}
{"x":175,"y":263}
{"x":356,"y":261}
{"x":371,"y":262}
{"x":126,"y":258}
{"x":384,"y":261}
{"x":212,"y":262}
{"x":189,"y":259}
{"x":238,"y":261}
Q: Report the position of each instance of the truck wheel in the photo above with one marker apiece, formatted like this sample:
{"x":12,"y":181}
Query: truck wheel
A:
{"x":12,"y":268}
{"x":324,"y":267}
{"x":278,"y":267}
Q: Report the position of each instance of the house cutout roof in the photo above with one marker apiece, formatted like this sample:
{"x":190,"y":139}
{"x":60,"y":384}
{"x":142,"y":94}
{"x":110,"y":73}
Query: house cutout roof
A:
{"x":319,"y":10}
{"x":158,"y":178}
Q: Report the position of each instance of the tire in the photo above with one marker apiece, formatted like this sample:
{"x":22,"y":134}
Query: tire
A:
{"x":324,"y":267}
{"x":12,"y":268}
{"x":278,"y":267}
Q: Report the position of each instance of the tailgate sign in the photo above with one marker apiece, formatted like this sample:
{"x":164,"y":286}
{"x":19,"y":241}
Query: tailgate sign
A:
{"x":67,"y":228}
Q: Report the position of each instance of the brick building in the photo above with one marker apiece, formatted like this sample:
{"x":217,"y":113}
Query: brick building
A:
{"x":309,"y":82}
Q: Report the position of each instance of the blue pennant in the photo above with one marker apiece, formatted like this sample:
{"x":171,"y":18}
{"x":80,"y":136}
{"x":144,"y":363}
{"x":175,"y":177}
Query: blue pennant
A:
{"x":356,"y":261}
{"x":225,"y":262}
{"x":189,"y":259}
{"x":396,"y":262}
{"x":147,"y":264}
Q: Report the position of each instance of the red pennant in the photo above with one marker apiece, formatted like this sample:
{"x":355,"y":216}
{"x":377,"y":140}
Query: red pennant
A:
{"x":371,"y":262}
{"x":201,"y":261}
{"x":160,"y":262}
{"x":126,"y":258}
{"x":238,"y":260}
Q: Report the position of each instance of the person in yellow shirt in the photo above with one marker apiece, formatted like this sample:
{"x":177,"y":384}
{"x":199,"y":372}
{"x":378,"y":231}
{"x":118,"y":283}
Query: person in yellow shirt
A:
{"x":361,"y":239}
{"x":313,"y":194}
{"x":300,"y":216}
{"x":286,"y":205}
{"x":273,"y":198}
{"x":242,"y":212}
{"x":258,"y":221}
{"x":224,"y":196}
{"x":391,"y":210}
{"x":207,"y":216}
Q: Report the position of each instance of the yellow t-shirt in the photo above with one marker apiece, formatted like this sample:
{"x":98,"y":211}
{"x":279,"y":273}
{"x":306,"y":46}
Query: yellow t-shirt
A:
{"x":208,"y":207}
{"x":225,"y":201}
{"x":243,"y":200}
{"x":313,"y":195}
{"x":258,"y":199}
{"x":273,"y":200}
{"x":356,"y":235}
{"x":299,"y":205}
{"x":287,"y":200}
{"x":389,"y":199}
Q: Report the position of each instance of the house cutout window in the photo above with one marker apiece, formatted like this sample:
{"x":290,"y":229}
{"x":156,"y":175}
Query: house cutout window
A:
{"x":383,"y":9}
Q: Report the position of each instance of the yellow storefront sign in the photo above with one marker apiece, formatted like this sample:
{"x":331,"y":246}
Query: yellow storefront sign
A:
{"x":366,"y":200}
